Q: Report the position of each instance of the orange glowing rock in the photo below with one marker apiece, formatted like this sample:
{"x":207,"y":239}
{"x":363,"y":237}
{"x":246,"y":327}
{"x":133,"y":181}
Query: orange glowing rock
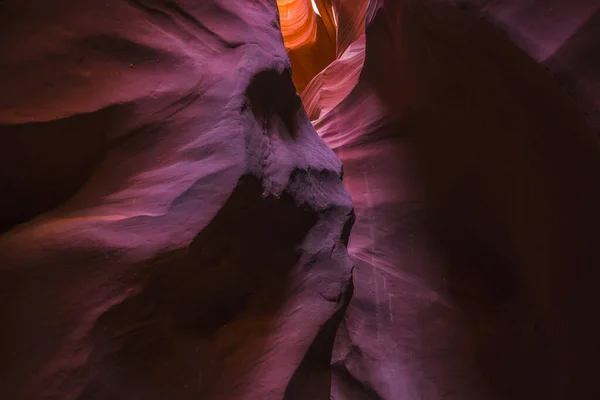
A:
{"x":298,"y":23}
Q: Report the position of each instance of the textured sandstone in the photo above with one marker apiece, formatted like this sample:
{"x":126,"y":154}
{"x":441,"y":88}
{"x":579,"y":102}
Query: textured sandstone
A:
{"x":309,"y":38}
{"x":184,"y":230}
{"x":474,"y":179}
{"x":201,"y":252}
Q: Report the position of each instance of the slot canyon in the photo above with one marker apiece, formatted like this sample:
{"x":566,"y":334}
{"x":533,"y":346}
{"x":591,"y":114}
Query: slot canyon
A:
{"x":299,"y":199}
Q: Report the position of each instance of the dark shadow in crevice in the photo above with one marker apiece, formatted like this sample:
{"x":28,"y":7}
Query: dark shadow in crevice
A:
{"x":234,"y":273}
{"x":352,"y":388}
{"x":43,"y":164}
{"x":580,"y":56}
{"x":312,"y":379}
{"x":271,"y":93}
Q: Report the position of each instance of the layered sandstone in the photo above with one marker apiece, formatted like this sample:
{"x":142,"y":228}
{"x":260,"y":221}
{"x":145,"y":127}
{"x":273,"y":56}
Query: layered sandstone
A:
{"x":473,"y":176}
{"x":174,"y":227}
{"x":182,"y":226}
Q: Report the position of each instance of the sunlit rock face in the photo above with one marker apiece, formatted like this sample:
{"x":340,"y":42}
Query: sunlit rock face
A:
{"x":298,"y":23}
{"x":182,"y":226}
{"x":309,"y":34}
{"x":351,"y":17}
{"x":335,"y":82}
{"x":473,"y":178}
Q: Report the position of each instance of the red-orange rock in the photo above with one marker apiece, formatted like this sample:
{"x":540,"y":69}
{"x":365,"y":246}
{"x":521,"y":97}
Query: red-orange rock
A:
{"x":351,"y":18}
{"x":309,"y":41}
{"x":335,"y":82}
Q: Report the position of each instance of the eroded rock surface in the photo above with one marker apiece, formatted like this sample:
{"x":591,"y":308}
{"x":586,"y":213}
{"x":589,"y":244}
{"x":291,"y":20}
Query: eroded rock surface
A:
{"x":189,"y":226}
{"x":309,"y":35}
{"x":173,"y":227}
{"x":474,"y":178}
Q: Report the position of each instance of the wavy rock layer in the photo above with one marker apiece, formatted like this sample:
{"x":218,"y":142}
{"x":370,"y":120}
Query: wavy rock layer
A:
{"x":174,"y":227}
{"x":182,"y":226}
{"x":474,"y":179}
{"x":298,"y":23}
{"x":309,"y":38}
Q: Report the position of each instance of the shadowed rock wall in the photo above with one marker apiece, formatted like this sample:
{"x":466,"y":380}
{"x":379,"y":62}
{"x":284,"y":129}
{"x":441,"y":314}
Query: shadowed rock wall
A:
{"x":474,"y":178}
{"x":174,"y":227}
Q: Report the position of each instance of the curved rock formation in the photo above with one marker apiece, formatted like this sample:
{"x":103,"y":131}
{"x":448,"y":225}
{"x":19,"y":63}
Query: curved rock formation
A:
{"x":334,"y":83}
{"x":474,"y":181}
{"x":350,"y":16}
{"x":309,"y":38}
{"x":201,"y":251}
{"x":298,"y":23}
{"x":174,"y":227}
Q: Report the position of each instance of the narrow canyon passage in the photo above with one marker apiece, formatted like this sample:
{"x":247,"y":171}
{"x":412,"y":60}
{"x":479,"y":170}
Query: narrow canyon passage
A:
{"x":459,"y":291}
{"x":299,"y":199}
